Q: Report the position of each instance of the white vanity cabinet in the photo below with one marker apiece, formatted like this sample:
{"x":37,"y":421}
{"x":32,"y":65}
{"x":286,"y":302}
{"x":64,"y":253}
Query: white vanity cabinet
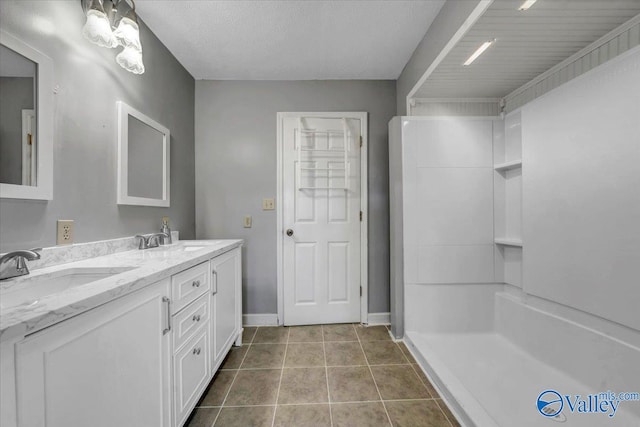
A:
{"x":141,"y":359}
{"x":207,"y":320}
{"x":226,"y":303}
{"x":110,"y":366}
{"x":191,"y":322}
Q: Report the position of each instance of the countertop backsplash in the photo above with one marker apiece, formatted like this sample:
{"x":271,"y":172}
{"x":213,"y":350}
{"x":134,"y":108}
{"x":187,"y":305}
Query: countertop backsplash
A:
{"x":56,"y":255}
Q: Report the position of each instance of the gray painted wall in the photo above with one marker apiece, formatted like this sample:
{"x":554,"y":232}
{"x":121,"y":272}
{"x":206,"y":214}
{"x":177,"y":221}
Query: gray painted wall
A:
{"x":90,"y":83}
{"x":236,"y":169}
{"x":449,"y":20}
{"x":16,"y":94}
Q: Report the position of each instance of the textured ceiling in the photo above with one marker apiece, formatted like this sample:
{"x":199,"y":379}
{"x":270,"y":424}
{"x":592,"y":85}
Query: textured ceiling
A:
{"x":528,"y":43}
{"x":290,"y":40}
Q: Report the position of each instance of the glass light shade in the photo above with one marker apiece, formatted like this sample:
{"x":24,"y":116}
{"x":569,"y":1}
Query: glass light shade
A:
{"x":131,"y":60}
{"x":97,"y":29}
{"x":128,"y":34}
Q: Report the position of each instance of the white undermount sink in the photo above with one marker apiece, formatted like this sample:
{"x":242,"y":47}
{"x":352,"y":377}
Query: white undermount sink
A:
{"x":180,"y":247}
{"x":192,"y":245}
{"x":192,"y":248}
{"x":30,"y":290}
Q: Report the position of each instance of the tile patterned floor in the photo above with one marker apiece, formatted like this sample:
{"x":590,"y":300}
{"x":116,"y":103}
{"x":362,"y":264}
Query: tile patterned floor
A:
{"x":315,"y":376}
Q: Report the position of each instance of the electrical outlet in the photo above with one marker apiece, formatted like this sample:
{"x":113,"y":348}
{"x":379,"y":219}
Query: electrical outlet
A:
{"x":268,"y":204}
{"x":65,"y":232}
{"x":247,"y":221}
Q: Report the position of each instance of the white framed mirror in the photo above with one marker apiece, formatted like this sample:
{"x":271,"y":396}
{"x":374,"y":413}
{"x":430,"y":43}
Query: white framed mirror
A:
{"x":143,"y":159}
{"x":26,"y":121}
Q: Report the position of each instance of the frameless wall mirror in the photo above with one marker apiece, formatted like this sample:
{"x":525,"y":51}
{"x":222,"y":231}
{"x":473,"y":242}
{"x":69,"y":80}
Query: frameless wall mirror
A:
{"x":26,"y":121}
{"x":143,"y":159}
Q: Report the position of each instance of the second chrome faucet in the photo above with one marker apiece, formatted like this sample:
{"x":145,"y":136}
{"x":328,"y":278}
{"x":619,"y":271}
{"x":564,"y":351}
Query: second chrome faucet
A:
{"x":152,"y":240}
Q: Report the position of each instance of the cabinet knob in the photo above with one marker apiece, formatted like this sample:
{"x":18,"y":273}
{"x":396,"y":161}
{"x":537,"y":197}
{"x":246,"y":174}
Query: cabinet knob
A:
{"x":196,"y":318}
{"x":196,"y":351}
{"x":196,"y":283}
{"x":289,"y":232}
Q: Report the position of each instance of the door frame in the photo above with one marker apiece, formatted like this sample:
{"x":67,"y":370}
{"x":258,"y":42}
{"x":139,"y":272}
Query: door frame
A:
{"x":29,"y":147}
{"x":364,"y":282}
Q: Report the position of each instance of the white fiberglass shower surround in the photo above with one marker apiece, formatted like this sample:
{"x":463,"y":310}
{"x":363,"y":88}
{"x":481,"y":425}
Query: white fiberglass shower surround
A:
{"x":516,"y":251}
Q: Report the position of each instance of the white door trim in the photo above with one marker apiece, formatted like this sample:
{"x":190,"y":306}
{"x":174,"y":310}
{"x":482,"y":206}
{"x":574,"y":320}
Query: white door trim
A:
{"x":364,"y":282}
{"x":29,"y":148}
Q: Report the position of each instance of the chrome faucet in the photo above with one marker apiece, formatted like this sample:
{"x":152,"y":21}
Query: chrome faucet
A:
{"x":14,"y":264}
{"x":157,"y":239}
{"x":151,"y":241}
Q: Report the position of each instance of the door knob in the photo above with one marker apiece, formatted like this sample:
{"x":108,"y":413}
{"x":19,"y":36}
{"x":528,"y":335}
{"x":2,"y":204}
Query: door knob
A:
{"x":289,"y":232}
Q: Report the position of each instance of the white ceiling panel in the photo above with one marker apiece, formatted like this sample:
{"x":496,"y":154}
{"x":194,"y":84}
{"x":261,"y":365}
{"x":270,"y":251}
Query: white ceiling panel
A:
{"x":528,"y":43}
{"x":290,"y":40}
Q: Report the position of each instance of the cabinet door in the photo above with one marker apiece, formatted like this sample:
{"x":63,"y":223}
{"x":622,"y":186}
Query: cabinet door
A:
{"x":192,"y":373}
{"x":108,"y":367}
{"x":226,"y":302}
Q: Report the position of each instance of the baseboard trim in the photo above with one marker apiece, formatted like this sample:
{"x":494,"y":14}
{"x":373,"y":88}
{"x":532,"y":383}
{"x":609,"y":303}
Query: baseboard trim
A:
{"x":379,"y":318}
{"x":271,"y":319}
{"x":267,"y":319}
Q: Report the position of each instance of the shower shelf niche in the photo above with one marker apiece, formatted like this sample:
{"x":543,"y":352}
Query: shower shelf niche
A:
{"x":508,"y":242}
{"x":503,"y":167}
{"x":508,"y":202}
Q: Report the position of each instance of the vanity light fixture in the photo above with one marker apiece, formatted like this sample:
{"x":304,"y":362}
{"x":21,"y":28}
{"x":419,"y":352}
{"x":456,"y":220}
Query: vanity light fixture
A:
{"x":484,"y":46}
{"x":113,"y":23}
{"x":527,"y":4}
{"x":97,"y":29}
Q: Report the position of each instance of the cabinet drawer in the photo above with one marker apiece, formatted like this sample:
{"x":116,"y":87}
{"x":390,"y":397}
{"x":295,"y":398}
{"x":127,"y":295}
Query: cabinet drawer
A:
{"x":188,"y":285}
{"x":190,"y":320}
{"x":191,"y":373}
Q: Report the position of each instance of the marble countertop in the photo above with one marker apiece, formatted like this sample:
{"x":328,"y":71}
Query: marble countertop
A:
{"x":144,"y":267}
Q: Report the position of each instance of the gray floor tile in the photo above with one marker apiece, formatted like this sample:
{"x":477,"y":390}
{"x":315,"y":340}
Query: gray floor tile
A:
{"x":425,"y":381}
{"x":202,"y":417}
{"x":303,"y":416}
{"x":416,"y":413}
{"x":373,"y":333}
{"x":303,"y":385}
{"x":253,"y":416}
{"x":351,"y":384}
{"x":271,"y":334}
{"x":248,"y":334}
{"x":304,"y":355}
{"x":264,"y":356}
{"x":399,"y":382}
{"x":344,"y":354}
{"x":217,"y":390}
{"x":406,"y":352}
{"x":370,"y":414}
{"x":234,"y":358}
{"x":305,"y":333}
{"x":343,"y":332}
{"x":259,"y":387}
{"x":383,"y":353}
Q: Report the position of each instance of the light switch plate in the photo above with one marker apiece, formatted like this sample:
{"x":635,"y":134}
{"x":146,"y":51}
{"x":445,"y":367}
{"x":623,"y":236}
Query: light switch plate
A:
{"x":247,"y":221}
{"x":268,"y":204}
{"x":65,"y":232}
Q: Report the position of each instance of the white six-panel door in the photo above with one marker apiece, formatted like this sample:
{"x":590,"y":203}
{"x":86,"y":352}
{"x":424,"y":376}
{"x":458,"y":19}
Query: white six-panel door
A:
{"x":321,"y":213}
